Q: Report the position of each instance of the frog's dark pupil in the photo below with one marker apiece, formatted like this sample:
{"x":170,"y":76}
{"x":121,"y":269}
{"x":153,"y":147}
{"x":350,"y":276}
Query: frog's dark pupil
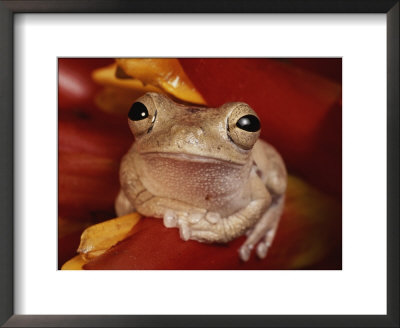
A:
{"x":138,"y":112}
{"x":248,"y":123}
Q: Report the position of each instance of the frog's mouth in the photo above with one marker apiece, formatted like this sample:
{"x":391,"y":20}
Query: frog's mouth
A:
{"x":192,"y":158}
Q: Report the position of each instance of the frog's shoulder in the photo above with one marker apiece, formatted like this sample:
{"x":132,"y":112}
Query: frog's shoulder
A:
{"x":269,"y":166}
{"x":262,"y":151}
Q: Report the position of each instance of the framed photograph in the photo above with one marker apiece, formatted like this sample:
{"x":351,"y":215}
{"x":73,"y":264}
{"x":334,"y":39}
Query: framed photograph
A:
{"x":320,"y":79}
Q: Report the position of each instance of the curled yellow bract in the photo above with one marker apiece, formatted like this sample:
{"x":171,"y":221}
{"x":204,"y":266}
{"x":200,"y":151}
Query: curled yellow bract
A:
{"x":100,"y":237}
{"x":129,"y":78}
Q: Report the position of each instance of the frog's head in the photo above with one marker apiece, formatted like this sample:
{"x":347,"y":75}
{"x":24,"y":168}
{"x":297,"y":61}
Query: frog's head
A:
{"x":226,"y":133}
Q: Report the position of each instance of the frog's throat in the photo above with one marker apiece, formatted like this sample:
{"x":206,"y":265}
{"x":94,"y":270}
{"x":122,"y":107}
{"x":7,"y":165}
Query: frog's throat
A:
{"x":194,"y":158}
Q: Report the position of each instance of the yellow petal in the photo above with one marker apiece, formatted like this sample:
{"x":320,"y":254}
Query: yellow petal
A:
{"x":165,"y":73}
{"x":76,"y":263}
{"x":98,"y":238}
{"x":136,"y":76}
{"x":106,"y":76}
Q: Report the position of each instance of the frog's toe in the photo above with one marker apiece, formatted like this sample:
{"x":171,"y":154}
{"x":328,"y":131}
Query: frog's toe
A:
{"x":269,"y":237}
{"x":265,"y":243}
{"x":195,"y":217}
{"x":184,"y":231}
{"x":170,"y":220}
{"x":244,"y":252}
{"x":262,"y":249}
{"x":213,"y":217}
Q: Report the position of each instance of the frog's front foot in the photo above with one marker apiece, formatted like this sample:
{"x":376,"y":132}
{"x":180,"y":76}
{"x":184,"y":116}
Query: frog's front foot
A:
{"x":170,"y":219}
{"x":181,"y":220}
{"x":197,"y":225}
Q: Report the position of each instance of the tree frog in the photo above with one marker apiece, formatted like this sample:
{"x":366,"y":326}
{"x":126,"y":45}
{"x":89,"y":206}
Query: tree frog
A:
{"x":204,"y":171}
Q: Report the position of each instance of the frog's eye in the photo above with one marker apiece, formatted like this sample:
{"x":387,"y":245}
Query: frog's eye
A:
{"x":141,"y":118}
{"x":249,"y":123}
{"x":138,"y":112}
{"x":243,"y":126}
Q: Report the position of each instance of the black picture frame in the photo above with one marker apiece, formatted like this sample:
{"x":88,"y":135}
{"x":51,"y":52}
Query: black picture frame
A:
{"x":7,"y":11}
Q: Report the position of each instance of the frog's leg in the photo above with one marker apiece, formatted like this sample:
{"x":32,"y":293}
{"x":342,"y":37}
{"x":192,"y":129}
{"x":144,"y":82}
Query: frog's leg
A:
{"x":267,"y":184}
{"x":122,"y":204}
{"x":270,"y":167}
{"x":264,"y":231}
{"x":227,"y":228}
{"x":271,"y":170}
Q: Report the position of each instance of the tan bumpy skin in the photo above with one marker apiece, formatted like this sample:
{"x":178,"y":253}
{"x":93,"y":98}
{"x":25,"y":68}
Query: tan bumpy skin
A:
{"x":204,"y":171}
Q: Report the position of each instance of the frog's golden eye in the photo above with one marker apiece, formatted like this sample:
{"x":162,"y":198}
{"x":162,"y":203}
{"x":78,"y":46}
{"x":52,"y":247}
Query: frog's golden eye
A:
{"x":243,"y":126}
{"x":141,"y":118}
{"x":138,"y":112}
